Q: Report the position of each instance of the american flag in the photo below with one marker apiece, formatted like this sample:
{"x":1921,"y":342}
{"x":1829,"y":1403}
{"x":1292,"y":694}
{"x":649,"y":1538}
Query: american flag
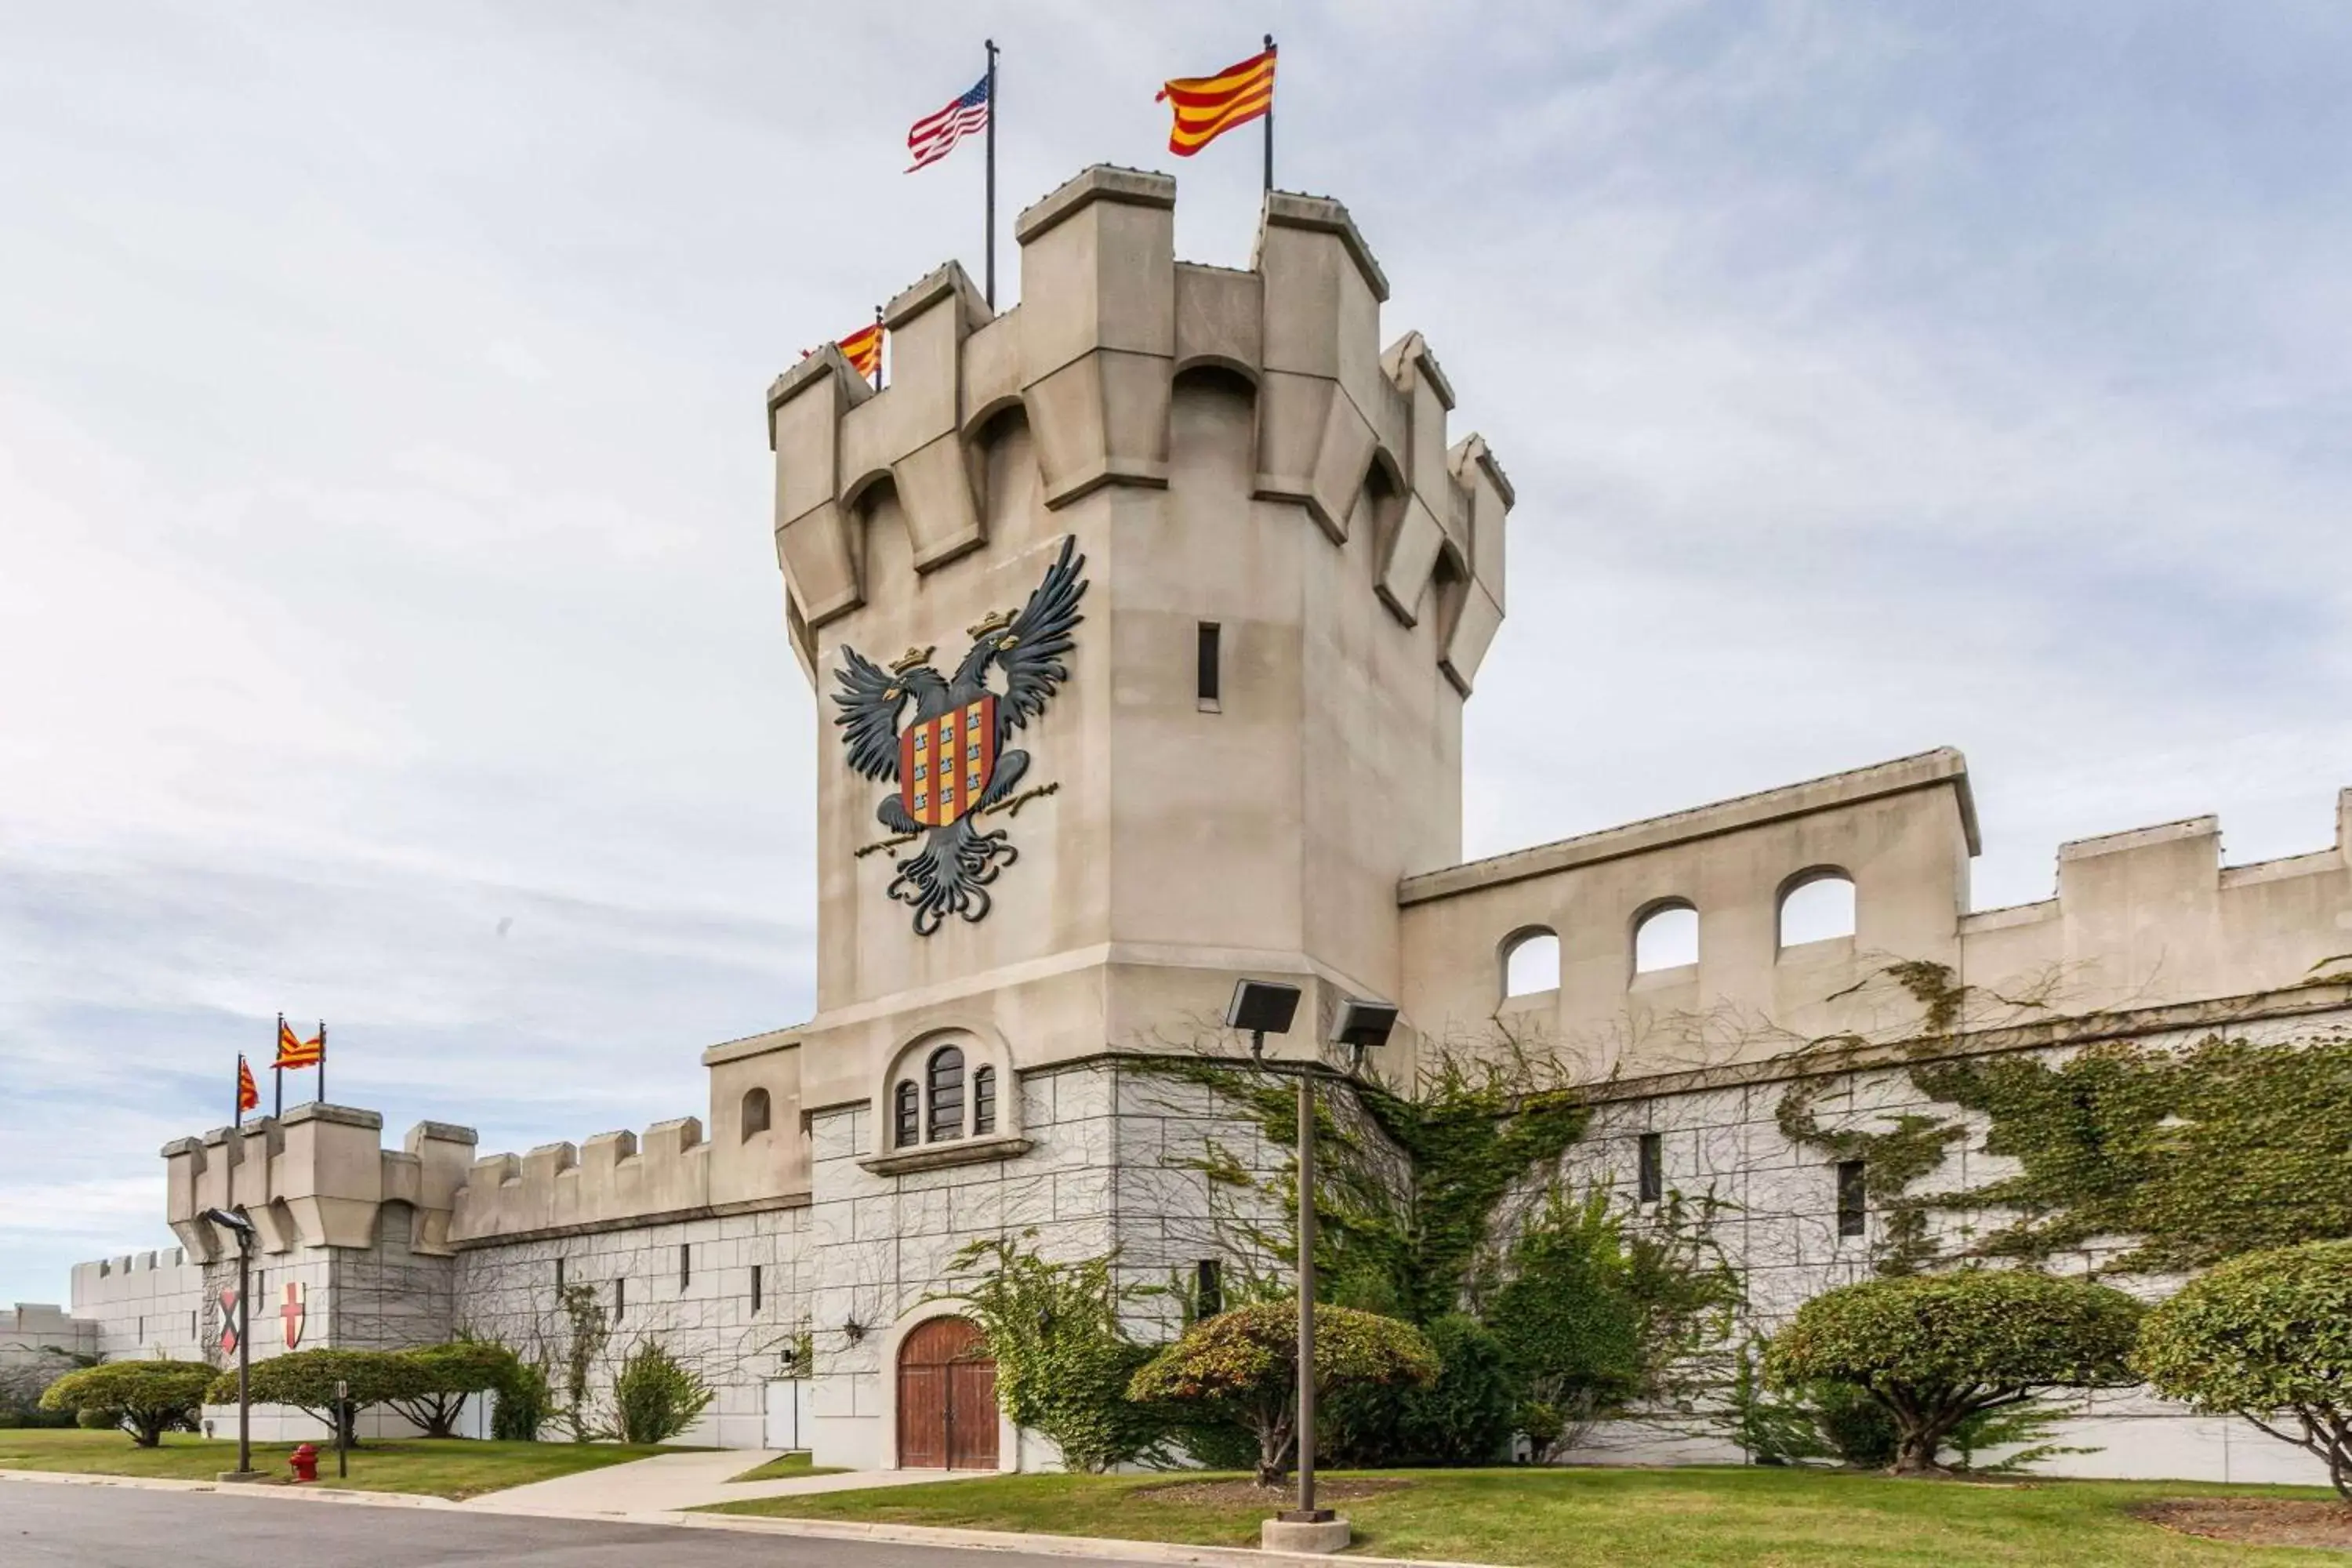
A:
{"x":934,"y":136}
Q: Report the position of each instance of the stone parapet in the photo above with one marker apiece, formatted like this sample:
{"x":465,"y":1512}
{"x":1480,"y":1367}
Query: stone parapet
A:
{"x":314,"y":1177}
{"x":1355,"y":436}
{"x":611,"y":1178}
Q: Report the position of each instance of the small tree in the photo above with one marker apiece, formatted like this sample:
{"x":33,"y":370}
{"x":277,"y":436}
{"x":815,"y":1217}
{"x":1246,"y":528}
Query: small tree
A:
{"x":1064,"y":1360}
{"x":526,"y":1400}
{"x":2266,"y":1336}
{"x":657,"y":1396}
{"x":1934,"y":1350}
{"x":442,"y":1377}
{"x":1242,"y":1365}
{"x":306,"y":1379}
{"x":145,"y":1398}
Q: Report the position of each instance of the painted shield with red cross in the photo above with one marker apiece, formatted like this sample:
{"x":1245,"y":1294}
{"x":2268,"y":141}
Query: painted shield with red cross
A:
{"x":945,"y":763}
{"x":290,"y":1312}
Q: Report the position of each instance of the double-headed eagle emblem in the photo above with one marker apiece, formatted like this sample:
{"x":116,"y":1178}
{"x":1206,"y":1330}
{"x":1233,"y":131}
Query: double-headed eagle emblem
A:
{"x":949,"y":762}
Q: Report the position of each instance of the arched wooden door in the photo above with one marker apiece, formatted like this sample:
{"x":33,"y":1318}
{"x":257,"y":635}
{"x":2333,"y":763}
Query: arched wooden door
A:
{"x":947,"y":1398}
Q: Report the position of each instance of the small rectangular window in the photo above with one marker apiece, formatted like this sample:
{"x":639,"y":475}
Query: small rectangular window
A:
{"x":1852,"y":1198}
{"x":1209,"y":1288}
{"x":620,"y":1299}
{"x":559,"y":1273}
{"x":1211,"y":685}
{"x":755,"y":1289}
{"x":1653,"y":1167}
{"x":685,"y":1265}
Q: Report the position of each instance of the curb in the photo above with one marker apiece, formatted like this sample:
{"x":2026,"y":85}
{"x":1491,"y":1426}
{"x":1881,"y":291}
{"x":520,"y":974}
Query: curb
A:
{"x":1101,"y":1549}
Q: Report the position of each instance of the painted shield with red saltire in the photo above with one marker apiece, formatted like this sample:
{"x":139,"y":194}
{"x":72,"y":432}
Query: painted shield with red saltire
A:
{"x":945,"y":763}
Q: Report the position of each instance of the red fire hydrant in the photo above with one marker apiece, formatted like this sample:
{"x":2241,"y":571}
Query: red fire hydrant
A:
{"x":305,"y":1460}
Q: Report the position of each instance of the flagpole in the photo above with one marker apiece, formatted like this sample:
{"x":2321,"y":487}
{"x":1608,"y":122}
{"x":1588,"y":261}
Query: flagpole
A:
{"x":277,"y":1076}
{"x":878,"y":348}
{"x":1269,"y":124}
{"x":322,"y":1061}
{"x":238,"y":1095}
{"x":989,"y":291}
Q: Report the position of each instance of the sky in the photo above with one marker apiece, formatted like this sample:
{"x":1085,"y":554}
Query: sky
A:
{"x":390,"y":629}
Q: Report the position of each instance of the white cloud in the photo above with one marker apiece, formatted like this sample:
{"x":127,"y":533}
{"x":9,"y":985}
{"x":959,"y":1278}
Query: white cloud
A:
{"x":389,"y":631}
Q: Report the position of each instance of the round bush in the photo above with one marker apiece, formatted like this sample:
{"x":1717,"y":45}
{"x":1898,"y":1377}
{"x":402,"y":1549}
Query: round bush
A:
{"x":2266,"y":1336}
{"x":1934,"y":1350}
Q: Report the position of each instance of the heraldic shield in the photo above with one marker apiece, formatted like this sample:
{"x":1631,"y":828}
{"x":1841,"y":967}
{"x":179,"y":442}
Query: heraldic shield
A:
{"x":946,"y":764}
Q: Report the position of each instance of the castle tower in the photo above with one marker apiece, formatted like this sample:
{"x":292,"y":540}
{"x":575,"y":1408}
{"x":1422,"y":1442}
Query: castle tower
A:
{"x":1290,"y":576}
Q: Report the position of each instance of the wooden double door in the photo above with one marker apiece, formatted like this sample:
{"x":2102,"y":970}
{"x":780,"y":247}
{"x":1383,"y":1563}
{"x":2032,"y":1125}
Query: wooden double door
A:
{"x":947,"y":1398}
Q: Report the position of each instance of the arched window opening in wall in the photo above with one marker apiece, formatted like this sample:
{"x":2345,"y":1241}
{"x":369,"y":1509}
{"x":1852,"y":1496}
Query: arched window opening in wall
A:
{"x":1816,"y":905}
{"x":946,"y":1084}
{"x":1665,"y":937}
{"x":1530,"y":962}
{"x":907,"y":1115}
{"x":755,"y":1113}
{"x":983,"y":1101}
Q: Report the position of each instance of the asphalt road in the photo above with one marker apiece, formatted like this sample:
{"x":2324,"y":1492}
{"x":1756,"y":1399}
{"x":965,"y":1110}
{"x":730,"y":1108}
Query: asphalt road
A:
{"x":49,"y":1526}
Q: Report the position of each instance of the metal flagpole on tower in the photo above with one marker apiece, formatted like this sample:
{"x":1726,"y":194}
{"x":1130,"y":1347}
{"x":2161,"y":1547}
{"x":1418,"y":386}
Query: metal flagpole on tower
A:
{"x":989,"y":290}
{"x":277,"y":1073}
{"x":322,"y":1061}
{"x":1269,"y":123}
{"x":878,"y":348}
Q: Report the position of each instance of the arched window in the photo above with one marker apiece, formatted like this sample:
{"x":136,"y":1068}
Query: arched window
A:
{"x":907,"y":1115}
{"x":1665,"y":937}
{"x":755,"y":1112}
{"x":1530,"y":962}
{"x":1816,"y":905}
{"x":983,"y":1101}
{"x":945,"y":1074}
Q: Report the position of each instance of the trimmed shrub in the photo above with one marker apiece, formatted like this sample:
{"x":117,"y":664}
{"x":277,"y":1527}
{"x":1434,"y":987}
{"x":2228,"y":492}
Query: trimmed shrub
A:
{"x":2268,"y":1337}
{"x":657,"y":1396}
{"x":526,"y":1400}
{"x":1934,"y":1350}
{"x":306,"y":1379}
{"x":1242,"y":1367}
{"x":444,"y":1376}
{"x":145,"y":1398}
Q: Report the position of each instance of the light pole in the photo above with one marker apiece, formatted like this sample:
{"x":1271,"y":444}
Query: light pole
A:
{"x":1264,"y":1008}
{"x":236,"y":1223}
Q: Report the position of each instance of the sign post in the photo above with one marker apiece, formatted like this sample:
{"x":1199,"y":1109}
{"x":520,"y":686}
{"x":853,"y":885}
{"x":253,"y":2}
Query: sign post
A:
{"x":343,"y":1428}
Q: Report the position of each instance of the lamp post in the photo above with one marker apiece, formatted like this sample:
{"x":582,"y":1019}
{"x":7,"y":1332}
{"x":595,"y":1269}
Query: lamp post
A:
{"x":236,"y":1223}
{"x":1264,"y":1008}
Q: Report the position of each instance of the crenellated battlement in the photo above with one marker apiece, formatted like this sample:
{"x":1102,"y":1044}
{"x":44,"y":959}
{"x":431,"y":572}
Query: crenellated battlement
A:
{"x":314,"y":1177}
{"x":2148,"y":917}
{"x":1354,"y":435}
{"x":610,"y":1177}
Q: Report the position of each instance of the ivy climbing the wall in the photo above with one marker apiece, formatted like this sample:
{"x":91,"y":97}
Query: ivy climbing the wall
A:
{"x":2195,"y":1153}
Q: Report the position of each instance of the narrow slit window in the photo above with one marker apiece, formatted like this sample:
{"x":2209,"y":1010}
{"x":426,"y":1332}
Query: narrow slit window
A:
{"x":1652,"y":1167}
{"x":559,"y":1273}
{"x":755,"y":1289}
{"x":1210,"y":651}
{"x":685,"y":1265}
{"x":1208,"y":1287}
{"x":983,"y":1101}
{"x":620,"y":1299}
{"x":1852,"y":1198}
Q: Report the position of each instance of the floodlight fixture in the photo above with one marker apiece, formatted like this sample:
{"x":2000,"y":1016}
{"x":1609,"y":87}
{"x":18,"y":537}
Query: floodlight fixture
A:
{"x":1263,"y":1007}
{"x":1363,"y":1026}
{"x":231,"y":1220}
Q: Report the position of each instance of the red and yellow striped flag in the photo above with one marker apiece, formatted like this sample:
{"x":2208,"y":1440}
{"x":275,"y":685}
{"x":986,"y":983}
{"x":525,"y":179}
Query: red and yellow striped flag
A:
{"x":1206,"y":107}
{"x":293,"y":1051}
{"x":249,"y":1093}
{"x":863,"y":349}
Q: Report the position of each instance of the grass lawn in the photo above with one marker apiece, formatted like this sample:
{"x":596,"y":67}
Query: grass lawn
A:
{"x":1697,"y":1517}
{"x":450,"y":1467}
{"x":785,"y":1467}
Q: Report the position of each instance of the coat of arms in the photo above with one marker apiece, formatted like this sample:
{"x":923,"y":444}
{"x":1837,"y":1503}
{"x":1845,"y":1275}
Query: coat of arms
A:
{"x":949,"y":760}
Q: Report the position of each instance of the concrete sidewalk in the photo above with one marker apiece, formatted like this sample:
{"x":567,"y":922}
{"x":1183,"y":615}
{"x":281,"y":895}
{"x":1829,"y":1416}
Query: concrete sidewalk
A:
{"x":672,"y":1483}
